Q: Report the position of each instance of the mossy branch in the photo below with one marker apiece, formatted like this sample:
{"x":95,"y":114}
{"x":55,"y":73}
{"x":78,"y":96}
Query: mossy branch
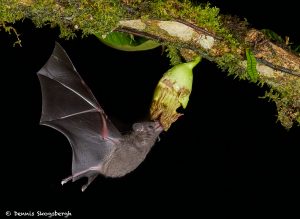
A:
{"x":191,"y":29}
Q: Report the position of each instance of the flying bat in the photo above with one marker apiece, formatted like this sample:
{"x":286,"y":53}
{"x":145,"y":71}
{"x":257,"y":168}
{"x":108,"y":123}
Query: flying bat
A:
{"x":98,"y":147}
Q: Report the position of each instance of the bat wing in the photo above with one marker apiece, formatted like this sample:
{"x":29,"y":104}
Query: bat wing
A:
{"x":69,"y":106}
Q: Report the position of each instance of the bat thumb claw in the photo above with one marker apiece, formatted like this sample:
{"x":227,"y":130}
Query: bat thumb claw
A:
{"x":64,"y":181}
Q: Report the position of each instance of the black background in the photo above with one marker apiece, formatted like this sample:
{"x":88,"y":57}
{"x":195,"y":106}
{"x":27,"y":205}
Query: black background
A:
{"x":227,"y":153}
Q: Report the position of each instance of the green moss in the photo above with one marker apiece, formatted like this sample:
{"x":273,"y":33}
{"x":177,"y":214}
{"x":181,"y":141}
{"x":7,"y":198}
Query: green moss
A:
{"x":235,"y":28}
{"x":11,"y":11}
{"x":231,"y":63}
{"x":48,"y":12}
{"x":173,"y":55}
{"x":287,"y":99}
{"x":100,"y":17}
{"x":11,"y":30}
{"x":203,"y":15}
{"x":89,"y":16}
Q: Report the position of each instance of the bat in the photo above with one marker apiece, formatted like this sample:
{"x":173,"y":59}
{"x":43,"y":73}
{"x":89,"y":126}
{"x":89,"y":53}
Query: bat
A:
{"x":98,"y":147}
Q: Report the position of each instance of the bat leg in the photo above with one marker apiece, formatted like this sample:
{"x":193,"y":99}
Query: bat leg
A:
{"x":84,"y":173}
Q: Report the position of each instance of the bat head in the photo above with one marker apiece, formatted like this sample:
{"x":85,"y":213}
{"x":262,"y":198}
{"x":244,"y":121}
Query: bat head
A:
{"x":147,"y":127}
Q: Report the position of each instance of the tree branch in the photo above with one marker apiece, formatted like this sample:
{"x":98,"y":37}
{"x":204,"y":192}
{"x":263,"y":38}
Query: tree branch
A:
{"x":200,"y":29}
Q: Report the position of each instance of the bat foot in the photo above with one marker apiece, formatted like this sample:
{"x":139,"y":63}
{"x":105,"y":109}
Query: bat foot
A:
{"x":83,"y":188}
{"x":90,"y":179}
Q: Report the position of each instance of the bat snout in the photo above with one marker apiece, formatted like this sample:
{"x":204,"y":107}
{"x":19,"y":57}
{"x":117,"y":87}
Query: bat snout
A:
{"x":158,"y":126}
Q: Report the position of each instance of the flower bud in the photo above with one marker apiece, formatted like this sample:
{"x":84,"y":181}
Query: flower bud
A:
{"x":173,"y":90}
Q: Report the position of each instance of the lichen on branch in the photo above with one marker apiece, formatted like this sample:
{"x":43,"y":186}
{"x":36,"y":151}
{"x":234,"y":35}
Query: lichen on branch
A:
{"x":188,"y":29}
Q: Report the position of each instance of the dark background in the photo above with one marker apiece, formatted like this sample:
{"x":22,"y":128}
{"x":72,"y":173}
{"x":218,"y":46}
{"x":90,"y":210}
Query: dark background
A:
{"x":227,"y":153}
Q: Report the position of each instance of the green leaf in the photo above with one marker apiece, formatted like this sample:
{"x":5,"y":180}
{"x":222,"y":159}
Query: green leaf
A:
{"x":272,"y":35}
{"x":127,"y":42}
{"x":297,"y":49}
{"x":251,"y":66}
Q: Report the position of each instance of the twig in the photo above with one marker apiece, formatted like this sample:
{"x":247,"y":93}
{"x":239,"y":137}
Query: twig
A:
{"x":161,"y":40}
{"x":139,"y":33}
{"x":198,"y":29}
{"x":279,"y":68}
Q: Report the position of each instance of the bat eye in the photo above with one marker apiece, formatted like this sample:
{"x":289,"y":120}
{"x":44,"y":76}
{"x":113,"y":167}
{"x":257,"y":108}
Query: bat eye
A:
{"x":151,"y":126}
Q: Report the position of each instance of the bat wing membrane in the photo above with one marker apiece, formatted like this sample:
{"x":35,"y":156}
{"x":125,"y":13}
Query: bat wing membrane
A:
{"x":70,"y":107}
